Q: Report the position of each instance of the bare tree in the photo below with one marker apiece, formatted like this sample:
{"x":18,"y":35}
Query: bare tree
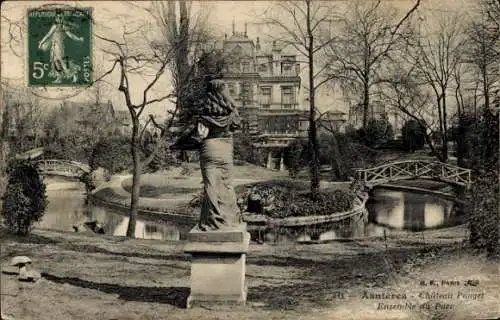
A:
{"x":305,"y":25}
{"x":20,"y":123}
{"x":404,"y":93}
{"x":483,"y":51}
{"x":129,"y":60}
{"x":4,"y":146}
{"x":460,"y":71}
{"x":190,"y":34}
{"x":436,"y":56}
{"x":369,"y":34}
{"x":24,"y":118}
{"x":15,"y":31}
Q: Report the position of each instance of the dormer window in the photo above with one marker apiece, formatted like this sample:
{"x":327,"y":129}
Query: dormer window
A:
{"x":238,"y":50}
{"x":245,"y":65}
{"x":232,"y":89}
{"x":286,"y":68}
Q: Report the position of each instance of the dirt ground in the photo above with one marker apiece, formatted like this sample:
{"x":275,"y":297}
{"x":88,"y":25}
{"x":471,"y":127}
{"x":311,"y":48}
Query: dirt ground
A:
{"x":102,"y":277}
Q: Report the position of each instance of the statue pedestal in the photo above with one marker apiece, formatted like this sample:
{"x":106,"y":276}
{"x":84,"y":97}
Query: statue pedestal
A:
{"x":218,"y":267}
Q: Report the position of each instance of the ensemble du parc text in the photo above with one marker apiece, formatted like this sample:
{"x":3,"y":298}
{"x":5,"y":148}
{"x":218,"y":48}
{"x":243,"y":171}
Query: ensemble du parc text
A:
{"x":437,"y":300}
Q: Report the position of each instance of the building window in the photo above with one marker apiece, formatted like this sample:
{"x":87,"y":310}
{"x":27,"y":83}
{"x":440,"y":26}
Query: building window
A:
{"x":245,"y":92}
{"x":262,"y":67}
{"x":265,"y":97}
{"x":287,"y":97}
{"x":245,"y":65}
{"x":232,"y":89}
{"x":286,"y":68}
{"x":287,"y":65}
{"x":245,"y":126}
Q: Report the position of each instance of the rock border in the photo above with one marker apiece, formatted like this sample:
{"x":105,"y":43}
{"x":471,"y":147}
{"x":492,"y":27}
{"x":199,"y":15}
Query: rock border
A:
{"x":264,"y":221}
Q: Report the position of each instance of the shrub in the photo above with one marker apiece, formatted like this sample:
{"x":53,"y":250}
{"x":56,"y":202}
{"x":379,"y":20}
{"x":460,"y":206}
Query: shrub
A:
{"x":337,"y":150}
{"x":483,"y":211}
{"x":163,"y":158}
{"x":244,"y":149}
{"x":112,"y":154}
{"x":25,"y":198}
{"x":4,"y":154}
{"x":480,"y":150}
{"x":378,"y":132}
{"x":284,"y":199}
{"x":186,"y":169}
{"x":413,"y":133}
{"x":296,"y":156}
{"x":467,"y":139}
{"x":344,"y":155}
{"x":64,"y":148}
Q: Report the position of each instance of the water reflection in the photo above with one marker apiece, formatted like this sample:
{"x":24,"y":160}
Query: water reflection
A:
{"x":410,"y":211}
{"x":67,"y":208}
{"x":148,"y":230}
{"x":387,"y":209}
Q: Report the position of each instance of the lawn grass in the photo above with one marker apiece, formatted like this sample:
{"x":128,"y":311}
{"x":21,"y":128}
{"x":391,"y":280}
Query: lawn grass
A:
{"x":104,"y":277}
{"x":173,"y":182}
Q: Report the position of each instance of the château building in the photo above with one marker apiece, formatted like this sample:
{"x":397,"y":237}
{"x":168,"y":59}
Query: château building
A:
{"x":264,"y":81}
{"x":377,"y":111}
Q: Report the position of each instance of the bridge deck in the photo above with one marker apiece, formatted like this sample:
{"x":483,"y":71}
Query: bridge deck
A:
{"x":411,"y":169}
{"x":63,"y":167}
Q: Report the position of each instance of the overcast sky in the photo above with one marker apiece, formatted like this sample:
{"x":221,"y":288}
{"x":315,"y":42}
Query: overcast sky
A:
{"x":111,"y":16}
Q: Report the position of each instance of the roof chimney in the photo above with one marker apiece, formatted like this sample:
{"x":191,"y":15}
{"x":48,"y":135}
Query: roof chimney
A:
{"x":233,"y":26}
{"x":246,"y":36}
{"x":257,"y":46}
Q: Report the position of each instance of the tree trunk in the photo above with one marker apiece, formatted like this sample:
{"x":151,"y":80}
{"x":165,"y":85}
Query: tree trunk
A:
{"x":475,"y":99}
{"x":457,"y":98}
{"x":179,"y":38}
{"x":428,"y":139}
{"x":486,"y":89}
{"x":445,"y":130}
{"x":136,"y":175}
{"x":440,"y":116}
{"x":313,"y":134}
{"x":366,"y":104}
{"x":4,"y":152}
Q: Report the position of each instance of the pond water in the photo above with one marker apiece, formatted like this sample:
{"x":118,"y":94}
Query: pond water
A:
{"x":67,"y":208}
{"x":387,"y":209}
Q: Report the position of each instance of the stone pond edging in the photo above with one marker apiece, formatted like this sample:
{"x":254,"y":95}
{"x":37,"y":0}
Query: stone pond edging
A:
{"x":262,"y":220}
{"x":113,"y":195}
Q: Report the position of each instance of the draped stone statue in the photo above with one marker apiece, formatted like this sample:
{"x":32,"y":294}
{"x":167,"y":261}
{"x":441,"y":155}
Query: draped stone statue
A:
{"x":211,"y":134}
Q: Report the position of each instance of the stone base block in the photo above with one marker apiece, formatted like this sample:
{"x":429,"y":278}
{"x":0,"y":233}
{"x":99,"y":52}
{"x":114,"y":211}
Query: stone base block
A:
{"x":218,"y":268}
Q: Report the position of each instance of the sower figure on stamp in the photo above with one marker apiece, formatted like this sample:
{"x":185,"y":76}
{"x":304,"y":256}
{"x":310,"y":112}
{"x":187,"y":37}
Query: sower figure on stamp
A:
{"x":211,"y":134}
{"x":60,"y":66}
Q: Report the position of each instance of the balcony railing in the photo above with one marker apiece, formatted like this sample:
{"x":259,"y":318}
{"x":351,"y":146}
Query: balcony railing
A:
{"x":289,"y":73}
{"x":265,"y":133}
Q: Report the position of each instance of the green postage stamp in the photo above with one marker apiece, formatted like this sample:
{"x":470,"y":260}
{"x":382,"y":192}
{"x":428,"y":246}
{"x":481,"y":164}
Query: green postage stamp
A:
{"x":59,"y":47}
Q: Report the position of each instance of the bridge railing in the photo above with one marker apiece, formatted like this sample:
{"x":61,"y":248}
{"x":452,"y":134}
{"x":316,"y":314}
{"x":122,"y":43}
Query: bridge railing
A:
{"x":61,"y":166}
{"x":413,"y":169}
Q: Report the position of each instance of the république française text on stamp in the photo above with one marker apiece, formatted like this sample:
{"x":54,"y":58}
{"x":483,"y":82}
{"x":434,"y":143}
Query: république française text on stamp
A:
{"x":59,"y":47}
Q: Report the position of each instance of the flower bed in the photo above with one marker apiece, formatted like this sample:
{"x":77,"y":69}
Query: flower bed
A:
{"x":283,"y":199}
